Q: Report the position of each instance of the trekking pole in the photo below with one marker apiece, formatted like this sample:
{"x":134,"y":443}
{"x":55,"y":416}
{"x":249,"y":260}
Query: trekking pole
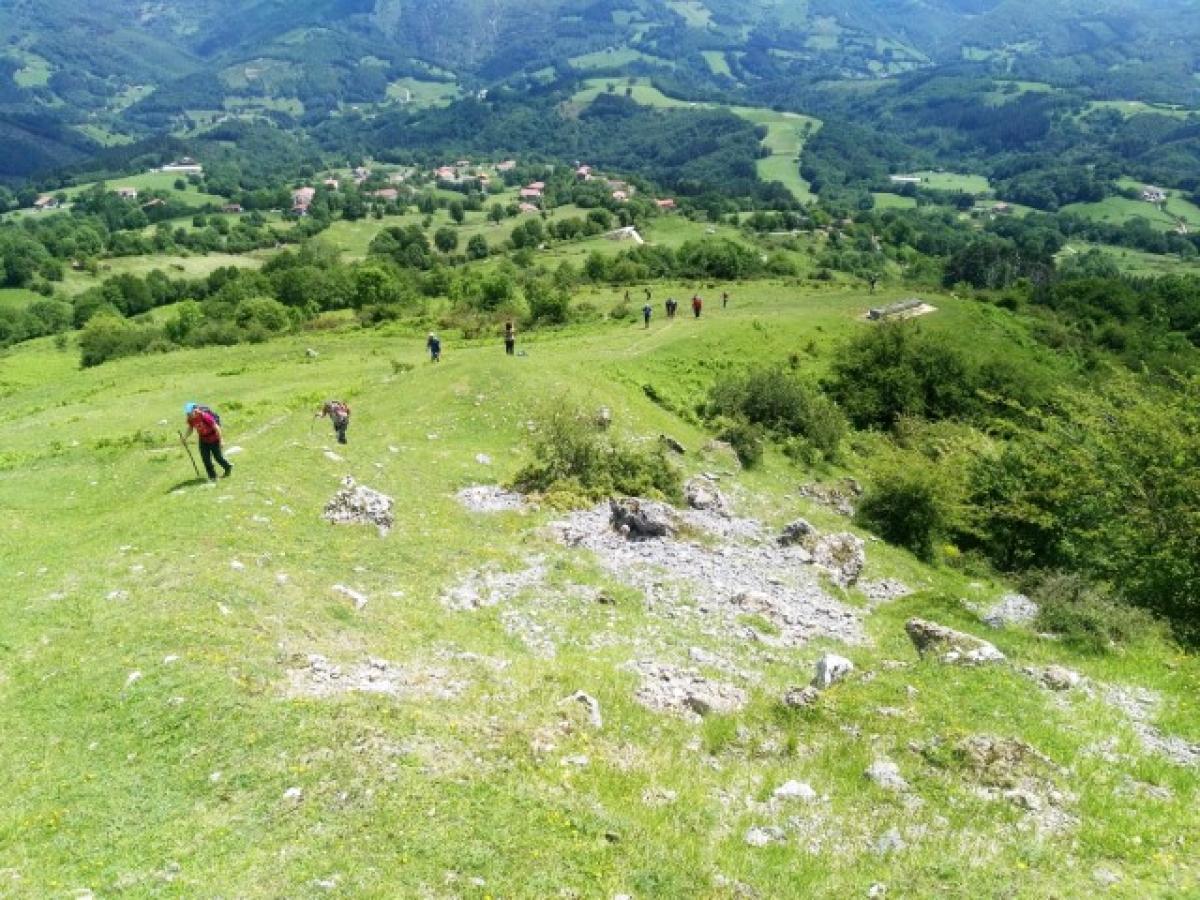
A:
{"x":189,"y":453}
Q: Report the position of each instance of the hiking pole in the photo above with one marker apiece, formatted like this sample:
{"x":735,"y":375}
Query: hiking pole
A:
{"x":189,"y":453}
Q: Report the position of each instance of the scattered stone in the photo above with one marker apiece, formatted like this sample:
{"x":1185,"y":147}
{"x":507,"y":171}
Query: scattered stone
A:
{"x":1054,"y":678}
{"x":800,"y":697}
{"x":579,"y":761}
{"x":725,"y":451}
{"x":311,"y":353}
{"x":1105,"y":877}
{"x":360,"y":505}
{"x":877,"y":890}
{"x":671,"y":444}
{"x":170,"y":658}
{"x":591,"y":704}
{"x":319,"y":678}
{"x":1012,"y":609}
{"x":1131,"y":787}
{"x":360,"y":599}
{"x":117,"y":595}
{"x":214,"y":777}
{"x":333,"y":457}
{"x":999,"y":761}
{"x":885,"y":590}
{"x":293,"y":795}
{"x":490,"y":498}
{"x":134,"y":678}
{"x":666,"y":688}
{"x":799,"y":533}
{"x":488,"y":587}
{"x":1140,"y":705}
{"x":603,"y":418}
{"x":761,"y":836}
{"x":657,"y":796}
{"x":950,"y":646}
{"x":839,"y":497}
{"x":702,"y":494}
{"x":886,"y":774}
{"x":281,"y":578}
{"x":483,"y":459}
{"x":237,"y":565}
{"x":641,"y":519}
{"x":831,"y":669}
{"x":890,"y":842}
{"x":234,"y":450}
{"x":842,"y":555}
{"x":794,"y":790}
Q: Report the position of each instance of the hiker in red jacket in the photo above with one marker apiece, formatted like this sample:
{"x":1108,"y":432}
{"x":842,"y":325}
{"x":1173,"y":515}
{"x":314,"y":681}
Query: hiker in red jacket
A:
{"x":201,"y":420}
{"x":697,"y":305}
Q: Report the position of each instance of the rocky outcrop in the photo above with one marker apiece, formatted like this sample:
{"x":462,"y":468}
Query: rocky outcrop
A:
{"x":356,"y":504}
{"x":950,"y":646}
{"x":842,"y":555}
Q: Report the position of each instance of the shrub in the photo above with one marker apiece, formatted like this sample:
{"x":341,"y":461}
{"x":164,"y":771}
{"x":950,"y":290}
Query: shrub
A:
{"x":1089,"y":617}
{"x":779,"y":402}
{"x":108,"y":337}
{"x":573,"y":453}
{"x":746,"y":439}
{"x":909,"y":506}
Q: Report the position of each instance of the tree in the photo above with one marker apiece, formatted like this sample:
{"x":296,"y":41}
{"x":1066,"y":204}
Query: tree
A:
{"x":477,"y":247}
{"x":457,"y":212}
{"x":446,"y":239}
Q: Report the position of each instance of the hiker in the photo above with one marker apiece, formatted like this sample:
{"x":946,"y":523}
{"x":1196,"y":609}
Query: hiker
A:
{"x":510,"y":339}
{"x":697,"y":305}
{"x":646,"y":311}
{"x":724,"y":299}
{"x":207,"y":426}
{"x":339,"y":413}
{"x":647,"y":295}
{"x":434,"y":345}
{"x":627,"y":296}
{"x":873,"y":281}
{"x":672,"y":307}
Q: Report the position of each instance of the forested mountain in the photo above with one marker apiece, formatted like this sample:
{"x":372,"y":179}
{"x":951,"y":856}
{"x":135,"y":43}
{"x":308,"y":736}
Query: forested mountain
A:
{"x":75,"y":78}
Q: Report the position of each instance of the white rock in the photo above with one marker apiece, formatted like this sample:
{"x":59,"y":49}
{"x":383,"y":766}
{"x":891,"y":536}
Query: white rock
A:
{"x":760,"y":836}
{"x":360,"y":599}
{"x":591,"y":704}
{"x":794,"y":790}
{"x":237,"y":565}
{"x":214,"y":777}
{"x":167,"y":660}
{"x":831,"y":669}
{"x":886,"y":774}
{"x":483,"y":459}
{"x":332,"y":457}
{"x":281,"y":578}
{"x":133,"y":678}
{"x":233,"y":451}
{"x":890,"y":842}
{"x":293,"y":794}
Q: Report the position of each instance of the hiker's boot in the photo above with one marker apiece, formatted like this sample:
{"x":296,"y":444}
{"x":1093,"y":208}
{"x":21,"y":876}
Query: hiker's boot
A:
{"x":228,"y":472}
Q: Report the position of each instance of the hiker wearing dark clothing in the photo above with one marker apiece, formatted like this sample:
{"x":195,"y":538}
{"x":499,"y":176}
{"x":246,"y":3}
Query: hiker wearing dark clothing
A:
{"x":207,"y":426}
{"x":434,"y":344}
{"x":697,"y":305}
{"x":646,"y":311}
{"x":647,"y":295}
{"x":510,"y":339}
{"x":724,"y":299}
{"x":339,"y":413}
{"x":672,"y":306}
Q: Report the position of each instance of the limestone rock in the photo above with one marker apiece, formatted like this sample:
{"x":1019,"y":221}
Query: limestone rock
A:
{"x":1012,"y":609}
{"x":641,"y":519}
{"x":950,"y":646}
{"x":886,"y":774}
{"x":799,"y":532}
{"x":800,"y":697}
{"x":702,"y":494}
{"x":843,"y":555}
{"x":360,"y":505}
{"x":761,"y":836}
{"x":669,"y":689}
{"x":831,"y":669}
{"x":794,"y":790}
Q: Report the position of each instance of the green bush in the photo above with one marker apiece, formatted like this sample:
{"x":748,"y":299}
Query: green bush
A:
{"x":1089,"y":617}
{"x":574,"y":454}
{"x":108,"y":337}
{"x":908,"y":506}
{"x":747,"y":440}
{"x":778,"y":402}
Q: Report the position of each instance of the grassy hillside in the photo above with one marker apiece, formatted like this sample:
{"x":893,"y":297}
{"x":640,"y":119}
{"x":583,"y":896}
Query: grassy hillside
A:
{"x":164,"y":735}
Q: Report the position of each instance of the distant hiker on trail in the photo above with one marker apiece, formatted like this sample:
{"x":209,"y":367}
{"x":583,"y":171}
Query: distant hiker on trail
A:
{"x":339,"y":412}
{"x":672,"y":306}
{"x":207,"y":425}
{"x":627,"y":296}
{"x":697,"y":305}
{"x":434,"y":344}
{"x":724,"y":299}
{"x":647,"y":295}
{"x":510,"y":339}
{"x":873,"y":280}
{"x":646,"y":311}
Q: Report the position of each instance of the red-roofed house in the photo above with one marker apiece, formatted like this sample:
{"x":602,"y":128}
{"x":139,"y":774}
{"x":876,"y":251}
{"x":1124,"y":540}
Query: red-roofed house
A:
{"x":507,"y":166}
{"x":45,"y":202}
{"x":302,"y":199}
{"x":620,"y":196}
{"x":389,"y":194}
{"x":537,"y":185}
{"x":446,"y":173}
{"x":531,"y":193}
{"x":667,"y":203}
{"x":584,"y":172}
{"x":331,"y":183}
{"x":528,"y":208}
{"x":127,"y":193}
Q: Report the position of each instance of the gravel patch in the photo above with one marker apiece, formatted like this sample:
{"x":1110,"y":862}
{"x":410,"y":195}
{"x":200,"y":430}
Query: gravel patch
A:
{"x":1140,"y":706}
{"x":667,"y":688}
{"x":491,"y":498}
{"x":320,"y":678}
{"x":357,"y":504}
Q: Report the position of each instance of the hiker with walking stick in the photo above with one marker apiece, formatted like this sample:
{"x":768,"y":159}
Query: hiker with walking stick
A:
{"x":339,"y":413}
{"x":207,"y":425}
